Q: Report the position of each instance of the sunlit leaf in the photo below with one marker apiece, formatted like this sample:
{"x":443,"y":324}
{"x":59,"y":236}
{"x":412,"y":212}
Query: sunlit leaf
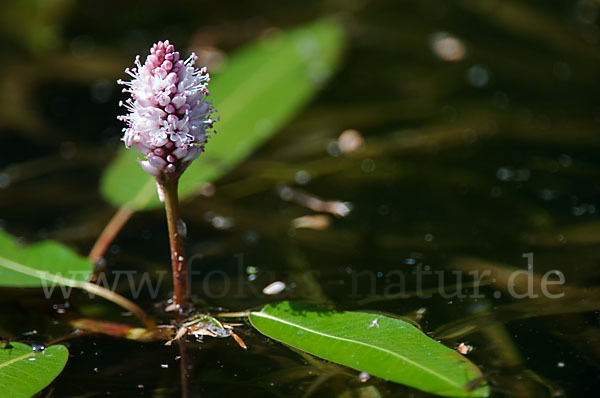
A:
{"x":262,"y":87}
{"x":24,"y":372}
{"x":39,"y":263}
{"x":49,"y":264}
{"x":381,"y":346}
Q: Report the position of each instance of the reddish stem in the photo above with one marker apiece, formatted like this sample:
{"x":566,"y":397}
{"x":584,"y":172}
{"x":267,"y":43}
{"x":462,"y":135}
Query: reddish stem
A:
{"x":176,"y":231}
{"x":109,"y":233}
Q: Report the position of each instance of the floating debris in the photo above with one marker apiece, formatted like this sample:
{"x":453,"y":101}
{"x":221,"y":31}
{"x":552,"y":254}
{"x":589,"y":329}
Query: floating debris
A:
{"x":274,"y":288}
{"x":375,"y":322}
{"x":447,"y":47}
{"x":205,"y":325}
{"x":464,"y":348}
{"x":334,"y":207}
{"x":350,"y":141}
{"x":318,"y":222}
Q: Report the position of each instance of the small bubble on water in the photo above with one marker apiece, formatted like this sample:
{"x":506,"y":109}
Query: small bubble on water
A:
{"x":37,"y":348}
{"x":164,"y":366}
{"x":560,"y":365}
{"x":302,"y":177}
{"x":478,"y":75}
{"x":363,"y":377}
{"x":60,"y":309}
{"x":286,"y":193}
{"x":220,"y":222}
{"x":333,"y":149}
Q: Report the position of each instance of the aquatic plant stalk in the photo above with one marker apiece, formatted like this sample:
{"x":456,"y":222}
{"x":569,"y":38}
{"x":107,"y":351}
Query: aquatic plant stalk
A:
{"x":109,"y":233}
{"x":167,"y":121}
{"x":177,"y":232}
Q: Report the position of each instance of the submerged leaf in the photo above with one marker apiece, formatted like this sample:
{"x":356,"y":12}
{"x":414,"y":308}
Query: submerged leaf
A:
{"x":25,"y":371}
{"x":260,"y":89}
{"x":381,"y":346}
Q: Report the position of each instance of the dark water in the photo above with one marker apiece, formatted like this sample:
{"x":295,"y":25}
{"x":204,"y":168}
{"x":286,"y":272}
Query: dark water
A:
{"x":480,"y":125}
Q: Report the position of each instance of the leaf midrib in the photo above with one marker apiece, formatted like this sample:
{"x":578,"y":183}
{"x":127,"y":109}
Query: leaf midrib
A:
{"x":39,"y":274}
{"x":16,"y":359}
{"x":263,"y":315}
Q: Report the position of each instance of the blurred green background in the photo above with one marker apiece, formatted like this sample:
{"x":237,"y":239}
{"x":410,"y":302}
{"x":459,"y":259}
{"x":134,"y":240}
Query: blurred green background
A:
{"x":470,"y":128}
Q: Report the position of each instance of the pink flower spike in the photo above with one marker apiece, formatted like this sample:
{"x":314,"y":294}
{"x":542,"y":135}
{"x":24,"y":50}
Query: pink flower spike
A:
{"x":167,"y":112}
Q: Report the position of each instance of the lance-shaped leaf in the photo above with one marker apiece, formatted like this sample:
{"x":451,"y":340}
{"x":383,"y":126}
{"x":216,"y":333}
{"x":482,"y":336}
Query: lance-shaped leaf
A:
{"x":41,"y":262}
{"x":49,"y":264}
{"x":381,"y":346}
{"x":24,"y":371}
{"x":261,"y":88}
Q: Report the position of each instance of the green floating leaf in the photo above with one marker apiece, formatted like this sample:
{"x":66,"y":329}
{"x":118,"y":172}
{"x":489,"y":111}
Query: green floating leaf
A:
{"x":24,"y":372}
{"x":381,"y":346}
{"x":37,"y":264}
{"x":261,"y":88}
{"x":49,"y":264}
